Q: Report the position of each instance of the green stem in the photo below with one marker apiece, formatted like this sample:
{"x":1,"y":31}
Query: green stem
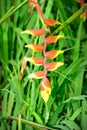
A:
{"x":11,"y":12}
{"x":19,"y":122}
{"x":35,"y":125}
{"x":69,"y":20}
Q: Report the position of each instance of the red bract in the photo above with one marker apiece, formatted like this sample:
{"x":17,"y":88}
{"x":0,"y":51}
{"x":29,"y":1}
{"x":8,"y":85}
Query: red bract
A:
{"x":53,"y":66}
{"x":34,"y":32}
{"x":36,"y":61}
{"x":51,"y":22}
{"x":53,"y":39}
{"x":37,"y":75}
{"x":35,"y":47}
{"x":45,"y":89}
{"x":54,"y":53}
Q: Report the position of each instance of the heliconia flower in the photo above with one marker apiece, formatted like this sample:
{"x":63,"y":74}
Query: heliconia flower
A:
{"x":35,"y":47}
{"x":45,"y":89}
{"x":53,"y":39}
{"x":34,"y":32}
{"x":53,"y":66}
{"x":51,"y":22}
{"x":36,"y":61}
{"x":37,"y":75}
{"x":54,"y":53}
{"x":23,"y":66}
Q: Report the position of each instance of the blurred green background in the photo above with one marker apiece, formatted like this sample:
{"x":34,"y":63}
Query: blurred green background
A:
{"x":67,"y":105}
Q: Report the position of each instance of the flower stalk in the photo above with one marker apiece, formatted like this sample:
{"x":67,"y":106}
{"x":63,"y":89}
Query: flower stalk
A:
{"x":27,"y":122}
{"x":44,"y":52}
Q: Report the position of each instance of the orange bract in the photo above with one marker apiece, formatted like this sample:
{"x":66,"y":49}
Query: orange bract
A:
{"x":34,"y":32}
{"x":37,"y":75}
{"x":53,"y":65}
{"x":51,"y":22}
{"x":35,"y":47}
{"x":53,"y":39}
{"x":36,"y":61}
{"x":54,"y":53}
{"x":45,"y":89}
{"x":46,"y":82}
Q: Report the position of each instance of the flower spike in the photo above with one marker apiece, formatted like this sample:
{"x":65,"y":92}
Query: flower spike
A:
{"x":34,"y":32}
{"x":37,"y":75}
{"x":45,"y":89}
{"x":53,"y":66}
{"x":35,"y":47}
{"x":54,"y":53}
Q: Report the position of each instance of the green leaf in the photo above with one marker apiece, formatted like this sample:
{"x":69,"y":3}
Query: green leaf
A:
{"x":84,"y":115}
{"x":71,"y":124}
{"x":38,"y":118}
{"x":76,"y":113}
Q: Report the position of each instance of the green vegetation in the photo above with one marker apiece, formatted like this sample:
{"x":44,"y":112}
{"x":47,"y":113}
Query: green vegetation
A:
{"x":21,"y":104}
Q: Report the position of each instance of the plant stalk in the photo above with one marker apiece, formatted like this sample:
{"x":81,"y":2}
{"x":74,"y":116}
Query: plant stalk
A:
{"x":27,"y":122}
{"x":19,"y":122}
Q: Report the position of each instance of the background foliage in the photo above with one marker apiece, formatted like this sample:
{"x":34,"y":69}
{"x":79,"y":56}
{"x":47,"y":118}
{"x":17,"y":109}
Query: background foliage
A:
{"x":67,"y":105}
